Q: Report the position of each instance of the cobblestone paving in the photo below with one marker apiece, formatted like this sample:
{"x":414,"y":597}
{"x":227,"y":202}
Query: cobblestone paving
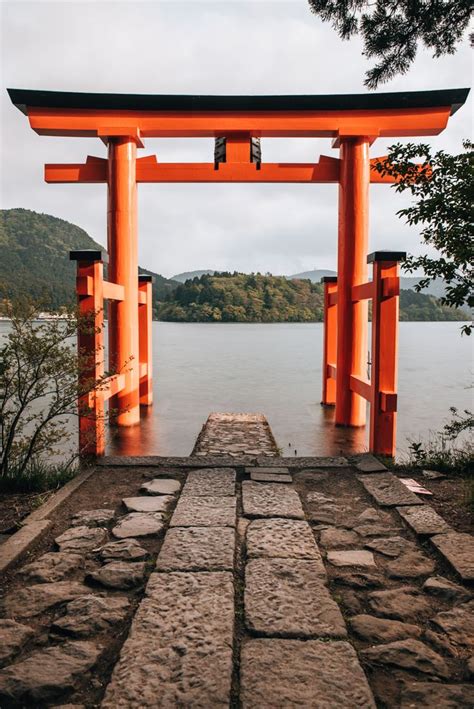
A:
{"x":235,"y":435}
{"x":334,"y":590}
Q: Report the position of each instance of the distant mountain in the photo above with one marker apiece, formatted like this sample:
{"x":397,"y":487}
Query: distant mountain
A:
{"x":436,"y":288}
{"x":187,"y":275}
{"x":34,"y":258}
{"x":313,"y":276}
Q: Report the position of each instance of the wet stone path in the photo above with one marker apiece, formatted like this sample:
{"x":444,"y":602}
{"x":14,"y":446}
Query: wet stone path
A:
{"x":236,"y":435}
{"x":304,"y":583}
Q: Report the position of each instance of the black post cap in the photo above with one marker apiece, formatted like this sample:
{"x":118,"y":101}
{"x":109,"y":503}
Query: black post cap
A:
{"x":89,"y":255}
{"x":329,"y":279}
{"x":145,"y":278}
{"x":386,"y":256}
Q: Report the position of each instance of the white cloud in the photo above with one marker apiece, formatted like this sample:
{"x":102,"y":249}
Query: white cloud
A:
{"x":200,"y":47}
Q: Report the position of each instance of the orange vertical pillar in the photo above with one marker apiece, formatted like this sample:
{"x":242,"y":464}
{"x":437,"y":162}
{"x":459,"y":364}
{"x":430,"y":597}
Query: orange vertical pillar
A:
{"x":330,"y":340}
{"x":385,"y":307}
{"x":123,"y":269}
{"x":89,"y":287}
{"x":352,"y":325}
{"x":145,"y":318}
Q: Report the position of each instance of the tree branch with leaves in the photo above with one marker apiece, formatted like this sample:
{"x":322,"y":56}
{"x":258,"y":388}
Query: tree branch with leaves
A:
{"x":40,"y":385}
{"x":391,"y":30}
{"x":443,"y":188}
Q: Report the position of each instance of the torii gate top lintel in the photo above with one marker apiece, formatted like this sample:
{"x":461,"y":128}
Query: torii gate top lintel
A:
{"x":375,"y":114}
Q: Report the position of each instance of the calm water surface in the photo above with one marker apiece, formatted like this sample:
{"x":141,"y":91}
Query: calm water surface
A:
{"x":276,"y":369}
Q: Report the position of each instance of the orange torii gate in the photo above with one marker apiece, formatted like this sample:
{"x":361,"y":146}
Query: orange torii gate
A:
{"x":123,"y":121}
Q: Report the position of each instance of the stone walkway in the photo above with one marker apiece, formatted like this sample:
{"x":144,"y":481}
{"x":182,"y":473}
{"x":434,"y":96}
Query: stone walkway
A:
{"x":300,"y":583}
{"x":236,"y":435}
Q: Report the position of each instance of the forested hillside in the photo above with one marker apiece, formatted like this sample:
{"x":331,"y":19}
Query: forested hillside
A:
{"x":236,"y":297}
{"x":34,"y":258}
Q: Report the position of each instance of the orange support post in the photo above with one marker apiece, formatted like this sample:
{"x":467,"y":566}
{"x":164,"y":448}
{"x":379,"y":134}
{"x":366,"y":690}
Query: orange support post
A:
{"x":352,"y":317}
{"x":385,"y":307}
{"x":123,"y":270}
{"x":330,"y":340}
{"x":90,"y":272}
{"x":145,"y":318}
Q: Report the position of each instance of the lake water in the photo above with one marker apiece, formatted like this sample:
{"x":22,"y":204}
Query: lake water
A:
{"x":275,"y":369}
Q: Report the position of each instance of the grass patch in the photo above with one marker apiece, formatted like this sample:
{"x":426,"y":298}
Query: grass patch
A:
{"x":37,"y":477}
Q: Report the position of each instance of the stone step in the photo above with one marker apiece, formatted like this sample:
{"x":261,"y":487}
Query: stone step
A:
{"x":179,"y":650}
{"x":236,"y":435}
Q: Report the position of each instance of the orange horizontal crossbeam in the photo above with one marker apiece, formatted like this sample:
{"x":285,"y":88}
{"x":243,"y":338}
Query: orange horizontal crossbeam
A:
{"x":113,"y":291}
{"x":364,"y":291}
{"x":149,"y":170}
{"x":332,"y":299}
{"x":362,"y":387}
{"x":331,"y":371}
{"x":113,"y":386}
{"x":143,"y":369}
{"x":141,"y":297}
{"x":210,"y":124}
{"x":388,"y":401}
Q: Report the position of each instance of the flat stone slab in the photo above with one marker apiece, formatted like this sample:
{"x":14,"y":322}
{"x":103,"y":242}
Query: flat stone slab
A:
{"x":120,"y":574}
{"x":282,"y":539}
{"x":391,"y":546}
{"x":409,"y":654}
{"x":93,"y":518}
{"x":441,"y":587}
{"x":423,"y":520}
{"x":88,"y":615}
{"x":179,"y":650}
{"x":382,"y":630}
{"x":210,"y":482}
{"x":304,"y":462}
{"x":270,"y":500}
{"x":270,"y":477}
{"x":334,"y":538}
{"x":32,"y":600}
{"x":46,"y":674}
{"x":138,"y":524}
{"x":197,"y":549}
{"x":370,"y":464}
{"x":123,"y":550}
{"x":161,"y":486}
{"x":457,"y":628}
{"x":235,"y":434}
{"x":403,"y":604}
{"x":288,"y":597}
{"x":411,"y":565}
{"x":156,"y":503}
{"x":357,"y":578}
{"x":13,"y":637}
{"x":81,"y":539}
{"x":387,"y":490}
{"x":52,"y":566}
{"x":416,"y":695}
{"x":268,"y":471}
{"x":351,"y":557}
{"x":209,"y":511}
{"x":458,"y":549}
{"x":293,"y":673}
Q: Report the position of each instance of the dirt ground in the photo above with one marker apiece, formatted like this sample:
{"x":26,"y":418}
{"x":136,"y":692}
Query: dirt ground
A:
{"x":453,"y":498}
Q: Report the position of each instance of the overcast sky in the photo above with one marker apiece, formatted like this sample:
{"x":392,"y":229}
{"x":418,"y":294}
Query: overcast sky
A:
{"x":198,"y":48}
